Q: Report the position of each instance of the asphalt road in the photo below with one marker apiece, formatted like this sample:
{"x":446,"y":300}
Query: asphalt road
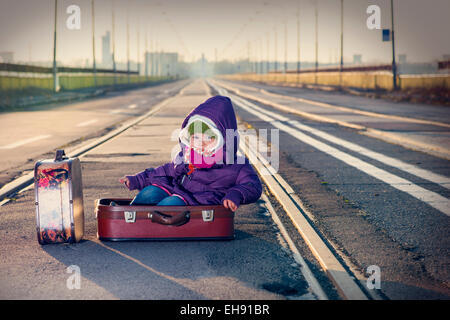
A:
{"x":255,"y":265}
{"x":372,"y":221}
{"x":413,"y":110}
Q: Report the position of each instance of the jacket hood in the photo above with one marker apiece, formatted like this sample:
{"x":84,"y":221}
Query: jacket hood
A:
{"x":219,"y":110}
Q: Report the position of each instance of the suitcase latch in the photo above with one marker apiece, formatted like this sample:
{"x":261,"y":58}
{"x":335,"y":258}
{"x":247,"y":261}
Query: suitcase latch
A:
{"x":130,"y":216}
{"x":208,"y":215}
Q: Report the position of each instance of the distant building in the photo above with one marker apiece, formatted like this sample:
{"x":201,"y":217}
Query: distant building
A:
{"x":106,"y":51}
{"x":161,"y":63}
{"x":7,"y":56}
{"x":357,"y":59}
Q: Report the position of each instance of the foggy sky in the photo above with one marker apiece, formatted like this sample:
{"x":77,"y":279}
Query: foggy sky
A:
{"x":193,"y":27}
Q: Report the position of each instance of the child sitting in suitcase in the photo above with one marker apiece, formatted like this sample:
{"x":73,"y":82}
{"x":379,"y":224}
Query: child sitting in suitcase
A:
{"x":207,"y":170}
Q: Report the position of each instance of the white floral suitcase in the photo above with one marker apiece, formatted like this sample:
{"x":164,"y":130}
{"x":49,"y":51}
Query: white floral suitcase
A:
{"x":59,"y":199}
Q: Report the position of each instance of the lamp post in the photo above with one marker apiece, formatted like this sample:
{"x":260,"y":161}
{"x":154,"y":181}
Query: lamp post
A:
{"x":275,"y":49}
{"x":316,"y":14}
{"x":394,"y":65}
{"x":341,"y":66}
{"x":285,"y":47}
{"x":128,"y":49}
{"x":113,"y":44}
{"x":146,"y":53}
{"x":268,"y":53}
{"x":94,"y":67}
{"x":55,"y":70}
{"x":298,"y":38}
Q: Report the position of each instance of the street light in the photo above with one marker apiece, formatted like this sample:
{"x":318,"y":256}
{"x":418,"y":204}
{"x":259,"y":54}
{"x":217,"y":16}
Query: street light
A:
{"x":316,"y":11}
{"x":298,"y":41}
{"x":316,"y":14}
{"x":55,"y":79}
{"x":268,"y":54}
{"x":128,"y":48}
{"x":113,"y":43}
{"x":394,"y":66}
{"x":342,"y":36}
{"x":93,"y":44}
{"x":275,"y":50}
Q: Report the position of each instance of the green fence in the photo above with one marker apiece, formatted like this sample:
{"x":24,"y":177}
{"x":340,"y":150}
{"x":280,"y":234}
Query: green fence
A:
{"x":28,"y":88}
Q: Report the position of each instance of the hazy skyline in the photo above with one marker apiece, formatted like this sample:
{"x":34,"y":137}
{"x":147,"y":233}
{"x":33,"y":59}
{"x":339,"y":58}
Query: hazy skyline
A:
{"x":195,"y":27}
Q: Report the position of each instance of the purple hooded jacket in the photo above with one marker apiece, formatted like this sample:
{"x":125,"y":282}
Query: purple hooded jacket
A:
{"x":234,"y":179}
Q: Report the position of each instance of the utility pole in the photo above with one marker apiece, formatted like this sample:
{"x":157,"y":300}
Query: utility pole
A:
{"x":152,"y":52}
{"x":128,"y":48}
{"x":261,"y":55}
{"x":114,"y":44}
{"x":146,"y":52}
{"x":298,"y":38}
{"x":248,"y":56}
{"x":394,"y":65}
{"x":138,"y":50}
{"x":285,"y":47}
{"x":341,"y":66}
{"x":316,"y":11}
{"x":268,"y":54}
{"x":93,"y":44}
{"x":55,"y":70}
{"x":215,"y":61}
{"x":256,"y":54}
{"x":275,"y":45}
{"x":316,"y":14}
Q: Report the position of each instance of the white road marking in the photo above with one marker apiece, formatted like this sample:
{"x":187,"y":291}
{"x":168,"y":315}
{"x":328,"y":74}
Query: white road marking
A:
{"x":117,"y":111}
{"x":431,"y":198}
{"x":26,"y":141}
{"x":86,"y":123}
{"x":132,"y":106}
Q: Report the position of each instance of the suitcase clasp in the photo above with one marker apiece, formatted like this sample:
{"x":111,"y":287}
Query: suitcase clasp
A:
{"x":208,"y":215}
{"x":130,"y":216}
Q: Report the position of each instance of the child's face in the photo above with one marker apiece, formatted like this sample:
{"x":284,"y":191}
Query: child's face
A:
{"x":202,"y":141}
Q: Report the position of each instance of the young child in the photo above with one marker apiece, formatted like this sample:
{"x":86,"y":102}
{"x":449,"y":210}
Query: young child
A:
{"x":206,"y":170}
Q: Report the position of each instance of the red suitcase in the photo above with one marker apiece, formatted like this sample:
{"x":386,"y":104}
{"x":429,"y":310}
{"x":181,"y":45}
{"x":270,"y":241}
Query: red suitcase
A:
{"x":124,"y":222}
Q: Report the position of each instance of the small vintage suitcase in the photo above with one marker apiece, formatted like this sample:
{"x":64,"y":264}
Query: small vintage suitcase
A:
{"x":59,"y":199}
{"x":124,"y":222}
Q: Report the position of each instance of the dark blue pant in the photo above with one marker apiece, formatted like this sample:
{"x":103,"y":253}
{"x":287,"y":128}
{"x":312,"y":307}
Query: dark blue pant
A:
{"x":152,"y":195}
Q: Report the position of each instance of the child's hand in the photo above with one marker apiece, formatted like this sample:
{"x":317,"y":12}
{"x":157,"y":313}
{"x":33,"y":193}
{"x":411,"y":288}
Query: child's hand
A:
{"x":229,"y":205}
{"x":125,"y":181}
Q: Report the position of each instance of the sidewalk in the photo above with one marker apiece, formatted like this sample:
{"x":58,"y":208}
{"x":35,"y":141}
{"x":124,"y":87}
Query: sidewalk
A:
{"x":253,"y":266}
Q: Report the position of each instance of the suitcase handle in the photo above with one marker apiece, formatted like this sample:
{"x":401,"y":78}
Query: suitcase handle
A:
{"x":60,"y":155}
{"x":175,"y":220}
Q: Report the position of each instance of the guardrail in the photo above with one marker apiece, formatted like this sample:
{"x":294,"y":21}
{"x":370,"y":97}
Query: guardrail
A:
{"x":350,"y":79}
{"x":27,"y":84}
{"x":11,"y":67}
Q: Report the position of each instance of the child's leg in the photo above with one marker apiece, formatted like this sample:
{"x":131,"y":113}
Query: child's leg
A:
{"x":149,"y":195}
{"x":172,"y":201}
